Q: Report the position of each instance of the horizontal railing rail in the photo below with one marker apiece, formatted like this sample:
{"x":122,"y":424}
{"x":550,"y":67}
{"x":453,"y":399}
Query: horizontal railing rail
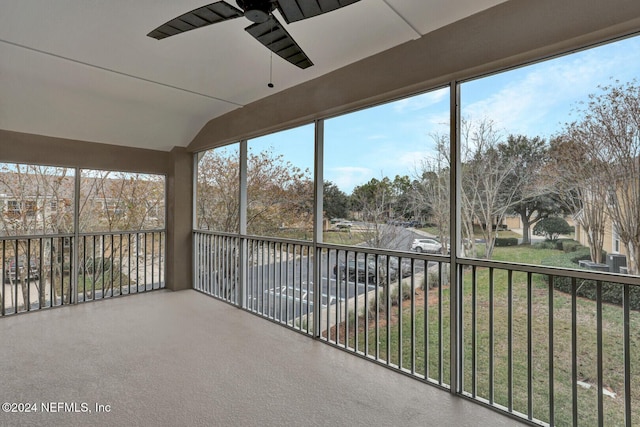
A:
{"x":44,"y":271}
{"x":547,"y":345}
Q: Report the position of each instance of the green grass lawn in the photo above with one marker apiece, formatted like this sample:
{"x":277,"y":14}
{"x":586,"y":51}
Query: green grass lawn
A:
{"x":343,"y":237}
{"x":394,"y":343}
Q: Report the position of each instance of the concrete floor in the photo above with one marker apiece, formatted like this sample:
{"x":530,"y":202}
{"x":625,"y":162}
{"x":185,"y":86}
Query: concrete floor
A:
{"x":182,"y":359}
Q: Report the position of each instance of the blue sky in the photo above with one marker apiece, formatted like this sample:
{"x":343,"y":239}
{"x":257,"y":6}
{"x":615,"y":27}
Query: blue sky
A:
{"x":393,"y":138}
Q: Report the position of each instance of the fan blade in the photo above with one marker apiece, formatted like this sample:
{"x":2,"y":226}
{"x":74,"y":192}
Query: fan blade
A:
{"x":297,"y":10}
{"x":197,"y":18}
{"x":271,"y":34}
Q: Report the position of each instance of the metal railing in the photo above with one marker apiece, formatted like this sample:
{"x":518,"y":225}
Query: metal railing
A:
{"x":552,"y":346}
{"x":548,"y":346}
{"x":52,"y":270}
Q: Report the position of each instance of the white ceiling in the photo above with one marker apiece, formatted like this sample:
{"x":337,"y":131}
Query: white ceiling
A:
{"x":85,"y":69}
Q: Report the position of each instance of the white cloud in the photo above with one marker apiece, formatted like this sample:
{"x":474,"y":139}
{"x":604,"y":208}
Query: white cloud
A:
{"x":420,"y":102}
{"x":348,"y":177}
{"x":540,"y":100}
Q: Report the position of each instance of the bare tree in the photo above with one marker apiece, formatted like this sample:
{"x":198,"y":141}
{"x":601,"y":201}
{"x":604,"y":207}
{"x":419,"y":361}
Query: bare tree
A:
{"x":112,"y":202}
{"x":609,"y":134}
{"x":490,"y":188}
{"x":573,"y":177}
{"x":35,"y":200}
{"x":374,"y":203}
{"x":432,"y":188}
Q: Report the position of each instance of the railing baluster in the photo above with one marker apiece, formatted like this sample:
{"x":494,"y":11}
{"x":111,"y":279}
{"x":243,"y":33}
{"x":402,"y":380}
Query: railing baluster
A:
{"x":153,"y":259}
{"x":129,"y":264}
{"x":510,"y":340}
{"x":15,"y":281}
{"x":102,"y":266}
{"x":426,"y":319}
{"x":314,"y":264}
{"x":491,"y":336}
{"x":282,"y":284}
{"x":161,"y":257}
{"x":550,"y":355}
{"x":440,"y":325}
{"x":413,"y":313}
{"x":4,"y":278}
{"x":294,"y":299}
{"x":400,"y":296}
{"x":208,"y":246}
{"x":28,"y":269}
{"x":120,"y":265}
{"x":51,"y":292}
{"x":626,"y":332}
{"x":530,"y":346}
{"x":574,"y":351}
{"x":366,"y":316}
{"x":474,"y":331}
{"x":41,"y":289}
{"x":599,"y":352}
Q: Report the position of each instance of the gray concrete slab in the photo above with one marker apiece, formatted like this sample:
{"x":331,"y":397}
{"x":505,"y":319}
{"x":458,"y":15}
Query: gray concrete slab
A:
{"x":182,"y":358}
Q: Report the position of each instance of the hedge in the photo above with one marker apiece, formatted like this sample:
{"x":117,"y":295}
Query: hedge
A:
{"x":611,"y":292}
{"x":506,"y":241}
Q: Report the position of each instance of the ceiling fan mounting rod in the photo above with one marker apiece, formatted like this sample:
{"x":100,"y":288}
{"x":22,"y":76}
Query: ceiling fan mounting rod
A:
{"x":257,"y":11}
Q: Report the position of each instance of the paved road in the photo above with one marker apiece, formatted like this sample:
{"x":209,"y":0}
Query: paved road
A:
{"x":285,"y":289}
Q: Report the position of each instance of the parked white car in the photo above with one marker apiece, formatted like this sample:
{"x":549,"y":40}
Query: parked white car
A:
{"x":426,"y":245}
{"x":343,"y":225}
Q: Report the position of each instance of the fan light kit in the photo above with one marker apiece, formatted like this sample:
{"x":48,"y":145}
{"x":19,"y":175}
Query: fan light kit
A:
{"x":265,"y":28}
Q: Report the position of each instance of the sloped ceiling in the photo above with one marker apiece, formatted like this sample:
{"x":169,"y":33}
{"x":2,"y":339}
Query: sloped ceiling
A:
{"x":85,"y":69}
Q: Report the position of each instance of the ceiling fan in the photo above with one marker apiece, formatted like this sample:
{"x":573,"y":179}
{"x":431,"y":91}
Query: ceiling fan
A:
{"x":266,"y":28}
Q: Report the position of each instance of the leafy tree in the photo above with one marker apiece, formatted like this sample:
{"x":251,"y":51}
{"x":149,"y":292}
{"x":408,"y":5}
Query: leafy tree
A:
{"x":374,"y":202}
{"x":335,"y":201}
{"x":552,"y":227}
{"x":401,"y":188}
{"x":533,"y":200}
{"x":280,"y":195}
{"x":218,"y":190}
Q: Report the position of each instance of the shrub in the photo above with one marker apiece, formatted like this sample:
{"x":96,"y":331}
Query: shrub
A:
{"x":611,"y":292}
{"x":568,"y":245}
{"x":433,"y":277}
{"x":506,"y":241}
{"x":382,"y":302}
{"x":544,"y":245}
{"x":572,"y":254}
{"x":406,"y":293}
{"x":552,"y":228}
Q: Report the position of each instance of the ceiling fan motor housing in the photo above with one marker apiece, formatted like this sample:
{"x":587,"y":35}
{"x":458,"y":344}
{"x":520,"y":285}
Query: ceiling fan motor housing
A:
{"x":256,"y":10}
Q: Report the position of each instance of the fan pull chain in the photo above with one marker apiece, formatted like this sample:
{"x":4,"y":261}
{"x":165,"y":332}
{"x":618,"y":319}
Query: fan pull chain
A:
{"x":270,"y":84}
